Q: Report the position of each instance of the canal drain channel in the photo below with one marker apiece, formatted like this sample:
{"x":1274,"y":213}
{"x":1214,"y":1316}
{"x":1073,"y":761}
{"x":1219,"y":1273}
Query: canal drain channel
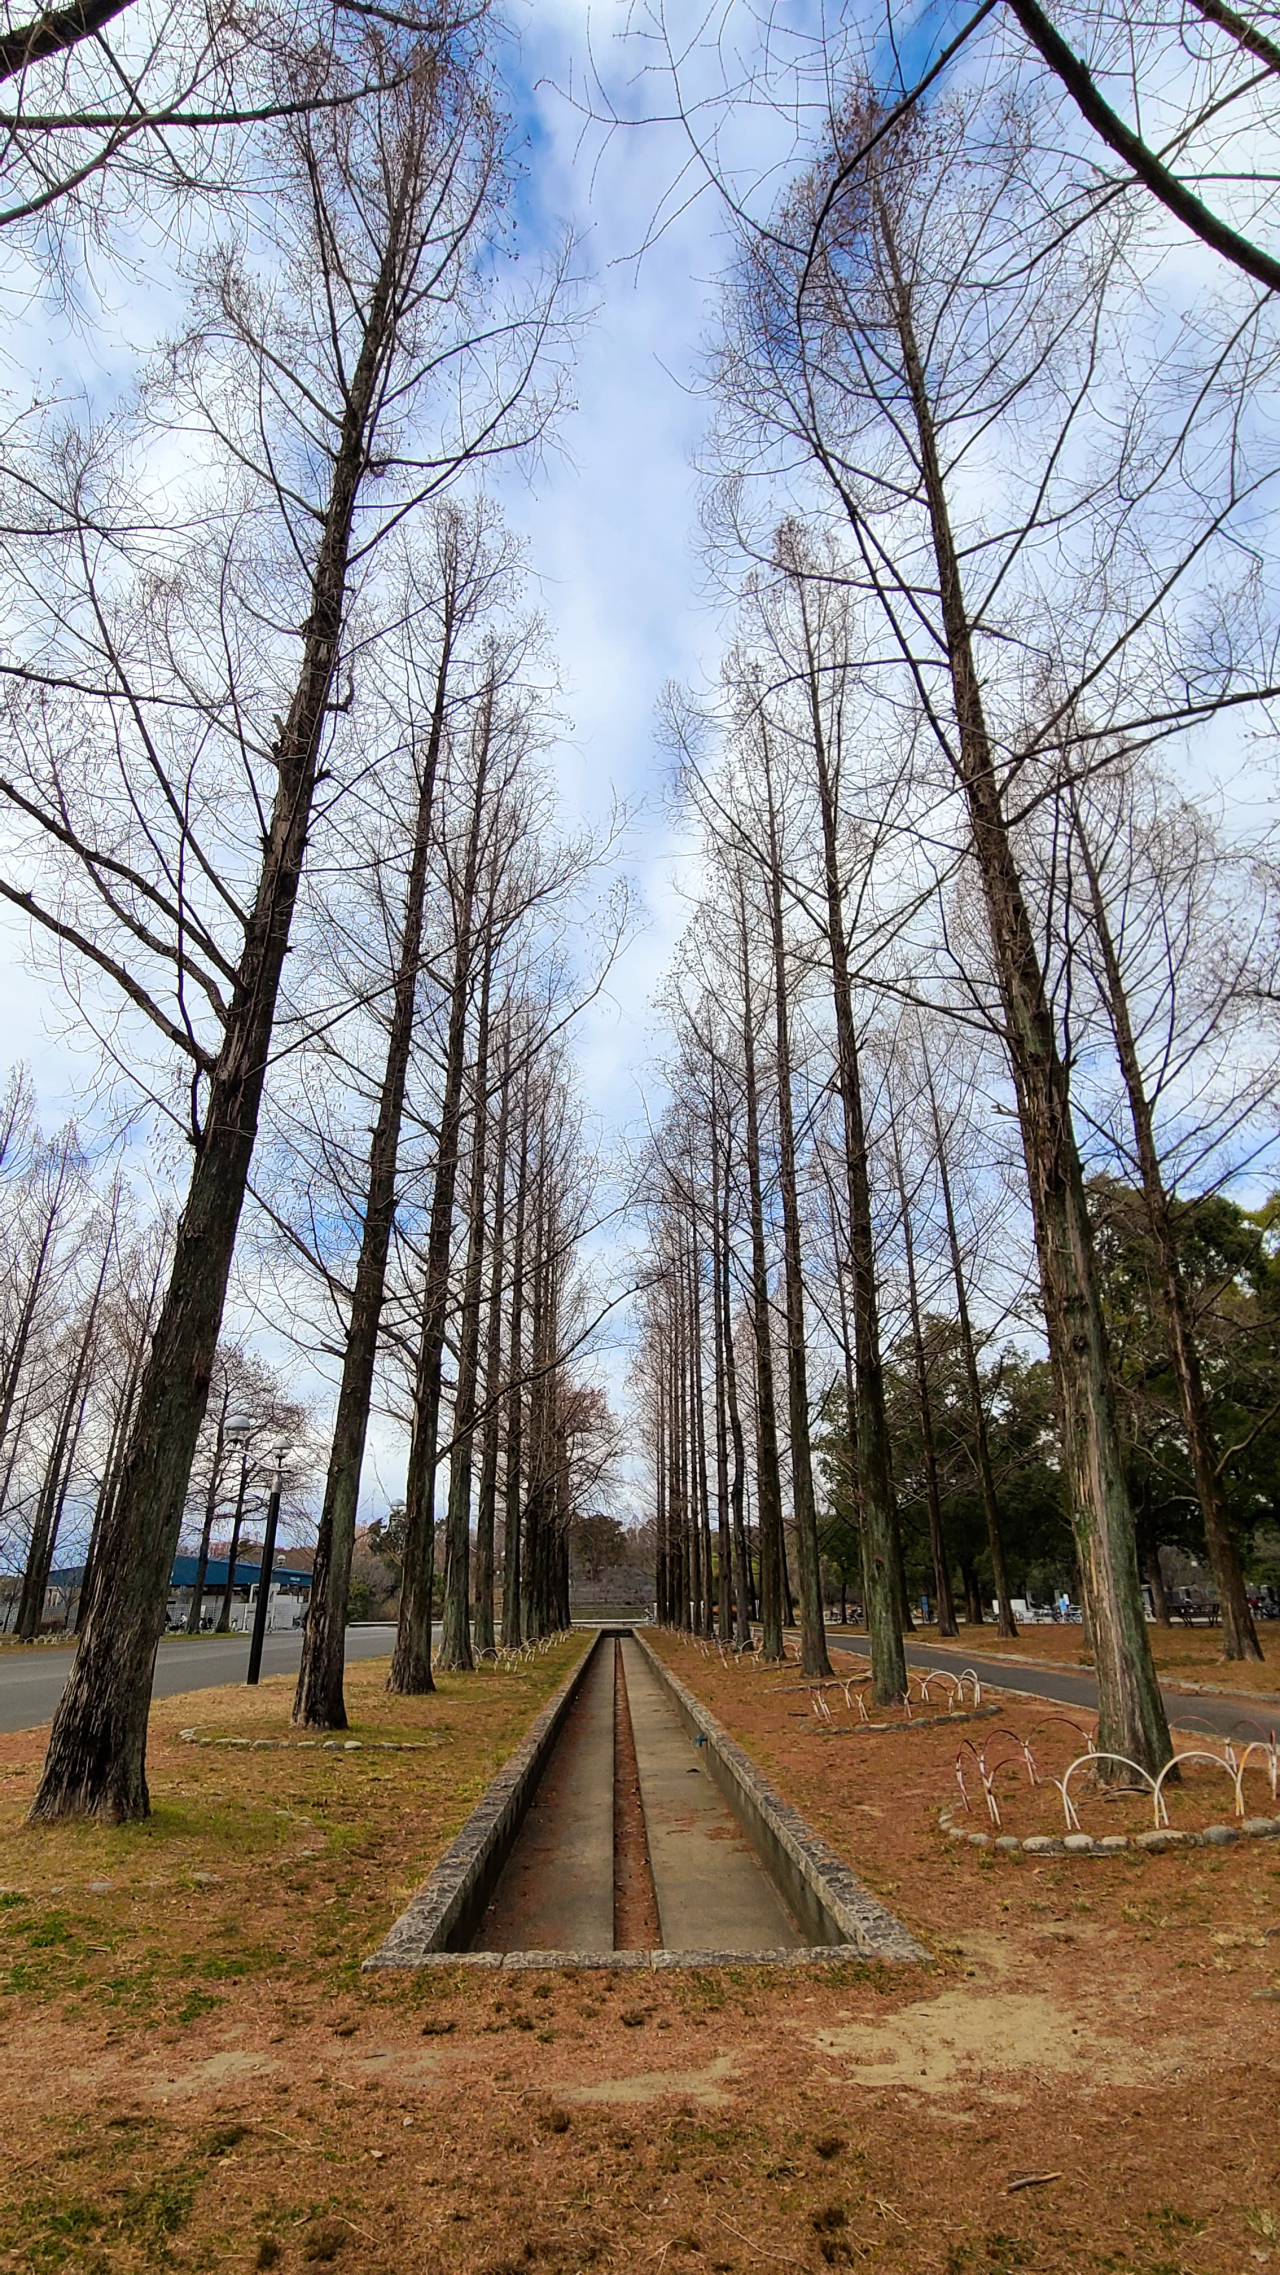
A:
{"x":629,"y":1829}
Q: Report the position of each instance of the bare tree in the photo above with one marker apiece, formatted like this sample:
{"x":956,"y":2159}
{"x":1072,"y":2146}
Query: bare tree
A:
{"x":465,"y":574}
{"x":316,"y":393}
{"x":833,"y":359}
{"x":1149,"y":888}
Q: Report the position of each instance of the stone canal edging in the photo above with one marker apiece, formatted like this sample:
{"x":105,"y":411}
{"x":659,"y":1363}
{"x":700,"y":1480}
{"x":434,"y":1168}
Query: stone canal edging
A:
{"x":828,"y":1900}
{"x":448,"y":1905}
{"x":850,"y":1925}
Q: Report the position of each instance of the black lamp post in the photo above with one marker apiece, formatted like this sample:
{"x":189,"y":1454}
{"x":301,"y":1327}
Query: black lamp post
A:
{"x":264,"y":1574}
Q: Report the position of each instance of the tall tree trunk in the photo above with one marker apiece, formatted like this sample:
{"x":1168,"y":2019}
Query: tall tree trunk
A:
{"x":1006,"y":1624}
{"x":851,"y":1430}
{"x":44,"y":1530}
{"x":319,"y":1702}
{"x":813,"y":1634}
{"x":96,"y":1762}
{"x":410,"y":1670}
{"x":210,"y":1510}
{"x":1239,"y":1634}
{"x":487,"y":1492}
{"x":1131,"y":1715}
{"x":743,"y":1593}
{"x":719,"y":1324}
{"x":533,"y":1556}
{"x":224,"y":1614}
{"x":30,"y":1302}
{"x":121,"y":1424}
{"x":686,"y":1508}
{"x":933,"y":1501}
{"x":768,"y":1481}
{"x":878,"y":1510}
{"x":512,"y":1630}
{"x":661,"y":1573}
{"x":706,"y":1591}
{"x":455,"y":1609}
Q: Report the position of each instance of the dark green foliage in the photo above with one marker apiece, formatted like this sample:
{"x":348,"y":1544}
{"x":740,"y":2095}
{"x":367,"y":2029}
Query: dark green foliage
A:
{"x":1231,"y":1261}
{"x":1231,"y":1266}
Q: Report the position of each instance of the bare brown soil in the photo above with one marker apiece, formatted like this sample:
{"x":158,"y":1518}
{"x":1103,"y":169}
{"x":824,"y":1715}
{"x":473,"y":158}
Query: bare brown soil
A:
{"x":196,"y":2074}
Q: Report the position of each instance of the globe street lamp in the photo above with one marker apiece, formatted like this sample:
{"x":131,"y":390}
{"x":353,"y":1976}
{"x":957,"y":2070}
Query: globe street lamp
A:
{"x":264,"y":1572}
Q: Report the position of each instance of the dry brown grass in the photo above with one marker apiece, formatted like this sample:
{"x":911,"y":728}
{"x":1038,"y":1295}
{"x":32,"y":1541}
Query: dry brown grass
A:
{"x":197,"y":2075}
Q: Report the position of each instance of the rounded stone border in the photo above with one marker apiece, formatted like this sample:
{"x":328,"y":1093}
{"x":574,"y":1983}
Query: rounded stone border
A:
{"x":1153,"y":1843}
{"x":315,"y":1745}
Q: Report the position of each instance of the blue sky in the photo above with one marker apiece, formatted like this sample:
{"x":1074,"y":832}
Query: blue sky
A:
{"x":610,"y":520}
{"x":610,"y":516}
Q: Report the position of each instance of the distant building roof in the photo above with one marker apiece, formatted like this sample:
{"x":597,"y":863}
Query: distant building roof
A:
{"x":185,"y":1568}
{"x":247,"y":1575}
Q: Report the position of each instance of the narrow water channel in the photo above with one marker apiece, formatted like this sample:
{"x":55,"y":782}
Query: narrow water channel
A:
{"x":628,"y":1843}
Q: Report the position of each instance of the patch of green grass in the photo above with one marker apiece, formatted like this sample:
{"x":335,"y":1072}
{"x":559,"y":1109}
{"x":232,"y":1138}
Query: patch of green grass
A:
{"x":195,"y":2004}
{"x":1168,"y":2217}
{"x":51,"y":2231}
{"x":1008,"y":2251}
{"x":49,"y":1932}
{"x":158,"y":2208}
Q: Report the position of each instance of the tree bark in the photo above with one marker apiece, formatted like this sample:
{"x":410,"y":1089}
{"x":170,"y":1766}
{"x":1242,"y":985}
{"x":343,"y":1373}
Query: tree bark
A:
{"x":30,"y":1303}
{"x":768,"y":1482}
{"x":410,"y":1670}
{"x":224,"y":1615}
{"x":511,"y":1577}
{"x":210,"y":1511}
{"x":486,"y":1496}
{"x":814,"y":1659}
{"x":743,"y":1593}
{"x":878,"y":1512}
{"x":1006,"y":1624}
{"x":933,"y":1500}
{"x":121,"y":1424}
{"x":455,"y":1608}
{"x":96,"y":1763}
{"x":1131,"y":1718}
{"x":706,"y":1587}
{"x":724,"y":1537}
{"x":44,"y":1531}
{"x":1239,"y":1634}
{"x":319,"y":1702}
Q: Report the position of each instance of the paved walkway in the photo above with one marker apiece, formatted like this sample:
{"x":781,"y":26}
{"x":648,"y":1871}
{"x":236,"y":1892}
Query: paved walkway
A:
{"x":1069,"y":1687}
{"x":31,"y":1681}
{"x":713,"y":1892}
{"x":556,"y":1891}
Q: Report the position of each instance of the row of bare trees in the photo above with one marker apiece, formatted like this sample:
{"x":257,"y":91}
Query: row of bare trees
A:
{"x":832,"y":1170}
{"x":87,"y":1255}
{"x":970,"y":839}
{"x":978,"y":408}
{"x":78,"y":1303}
{"x":215,"y":660}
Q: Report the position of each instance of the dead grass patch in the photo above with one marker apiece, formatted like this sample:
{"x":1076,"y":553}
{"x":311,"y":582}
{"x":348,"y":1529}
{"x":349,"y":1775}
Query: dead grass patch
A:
{"x":1078,"y":2020}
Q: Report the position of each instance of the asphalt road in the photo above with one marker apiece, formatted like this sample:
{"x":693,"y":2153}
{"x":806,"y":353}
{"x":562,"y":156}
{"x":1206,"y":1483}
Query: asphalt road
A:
{"x":31,"y":1682}
{"x":1068,"y":1688}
